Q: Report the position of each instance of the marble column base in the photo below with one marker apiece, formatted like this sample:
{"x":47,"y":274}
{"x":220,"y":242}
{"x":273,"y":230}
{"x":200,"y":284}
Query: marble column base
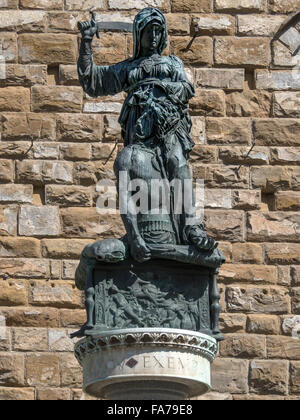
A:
{"x":146,"y":364}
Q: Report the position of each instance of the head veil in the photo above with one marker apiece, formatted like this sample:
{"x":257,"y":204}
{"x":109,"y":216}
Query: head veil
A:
{"x":140,"y":21}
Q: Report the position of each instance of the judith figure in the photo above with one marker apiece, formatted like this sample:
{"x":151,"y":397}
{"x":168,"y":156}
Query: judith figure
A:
{"x":155,"y":126}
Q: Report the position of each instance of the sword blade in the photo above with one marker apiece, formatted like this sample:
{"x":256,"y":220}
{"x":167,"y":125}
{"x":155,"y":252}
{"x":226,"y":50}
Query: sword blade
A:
{"x":115,"y":26}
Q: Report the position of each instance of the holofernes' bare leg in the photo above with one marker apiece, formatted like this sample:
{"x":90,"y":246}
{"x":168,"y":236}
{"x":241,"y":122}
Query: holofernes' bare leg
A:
{"x":138,"y":248}
{"x":192,"y":231}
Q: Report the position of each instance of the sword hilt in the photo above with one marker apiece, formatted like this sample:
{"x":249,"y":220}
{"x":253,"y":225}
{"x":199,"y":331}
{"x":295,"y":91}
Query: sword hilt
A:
{"x":83,"y":26}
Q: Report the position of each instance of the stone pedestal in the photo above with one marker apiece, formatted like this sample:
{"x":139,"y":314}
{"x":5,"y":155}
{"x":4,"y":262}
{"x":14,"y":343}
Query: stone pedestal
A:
{"x":146,"y":363}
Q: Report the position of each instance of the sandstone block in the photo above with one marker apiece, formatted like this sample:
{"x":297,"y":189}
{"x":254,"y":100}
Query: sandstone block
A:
{"x":23,"y":21}
{"x":68,"y":269}
{"x":87,"y":223}
{"x":226,"y":249}
{"x":240,"y":155}
{"x":53,"y":394}
{"x":14,"y":99}
{"x":291,"y":325}
{"x":246,"y":52}
{"x":279,"y":347}
{"x":220,"y":78}
{"x":14,"y":193}
{"x":228,"y":130}
{"x":243,"y":346}
{"x":11,"y":370}
{"x":64,"y":21}
{"x":111,"y":128}
{"x":215,"y":198}
{"x":17,"y":394}
{"x":71,"y":374}
{"x":247,"y":253}
{"x":286,"y":104}
{"x":44,"y":172}
{"x":13,"y":293}
{"x":240,"y":6}
{"x":25,"y":75}
{"x":9,"y":4}
{"x":6,"y":171}
{"x":72,"y":318}
{"x":232,"y":323}
{"x":284,"y":6}
{"x":75,"y":128}
{"x":39,"y":221}
{"x":59,"y":340}
{"x":9,"y":47}
{"x":225,"y":225}
{"x":88,"y":5}
{"x":68,"y":75}
{"x":28,"y":126}
{"x":230,"y":375}
{"x":75,"y":151}
{"x":287,"y":200}
{"x":277,"y":80}
{"x":270,"y":178}
{"x":102,"y":151}
{"x":46,"y":151}
{"x":63,"y":248}
{"x":198,"y":6}
{"x":14,"y":150}
{"x":210,"y":103}
{"x":263,"y":324}
{"x":246,"y":199}
{"x":268,"y":377}
{"x":282,"y":253}
{"x":102,"y":107}
{"x":295,"y":273}
{"x":273,"y":226}
{"x":282,"y":56}
{"x":38,"y":48}
{"x":295,"y":178}
{"x":178,"y":24}
{"x":110,"y":49}
{"x":285,"y":155}
{"x":8,"y":220}
{"x":56,"y":99}
{"x":19,"y":247}
{"x":213,"y":25}
{"x":30,"y":339}
{"x":31,"y":317}
{"x":217,"y":176}
{"x":259,"y":25}
{"x":68,"y":196}
{"x":250,"y":103}
{"x":248,"y":273}
{"x":61,"y":295}
{"x":42,"y":369}
{"x":296,"y":303}
{"x":295,"y":377}
{"x":41,"y":4}
{"x":199,"y":52}
{"x":257,"y":299}
{"x":23,"y":268}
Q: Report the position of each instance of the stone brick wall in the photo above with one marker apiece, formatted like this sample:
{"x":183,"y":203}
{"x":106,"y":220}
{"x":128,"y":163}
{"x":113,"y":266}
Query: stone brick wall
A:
{"x":54,"y":146}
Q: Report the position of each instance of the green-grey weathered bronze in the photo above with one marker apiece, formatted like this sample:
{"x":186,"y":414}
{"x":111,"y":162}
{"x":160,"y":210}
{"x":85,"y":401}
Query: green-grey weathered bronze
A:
{"x":156,"y":128}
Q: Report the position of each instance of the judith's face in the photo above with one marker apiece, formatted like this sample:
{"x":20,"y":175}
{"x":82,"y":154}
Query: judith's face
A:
{"x":151,"y":37}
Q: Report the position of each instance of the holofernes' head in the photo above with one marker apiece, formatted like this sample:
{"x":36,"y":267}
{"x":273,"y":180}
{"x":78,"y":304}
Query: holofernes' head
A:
{"x":149,"y":26}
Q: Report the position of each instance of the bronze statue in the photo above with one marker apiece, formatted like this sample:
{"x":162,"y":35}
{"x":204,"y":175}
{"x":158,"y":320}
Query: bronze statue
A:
{"x":156,"y":128}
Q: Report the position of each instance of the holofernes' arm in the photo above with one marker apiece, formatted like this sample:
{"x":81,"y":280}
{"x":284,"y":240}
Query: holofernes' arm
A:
{"x":98,"y":80}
